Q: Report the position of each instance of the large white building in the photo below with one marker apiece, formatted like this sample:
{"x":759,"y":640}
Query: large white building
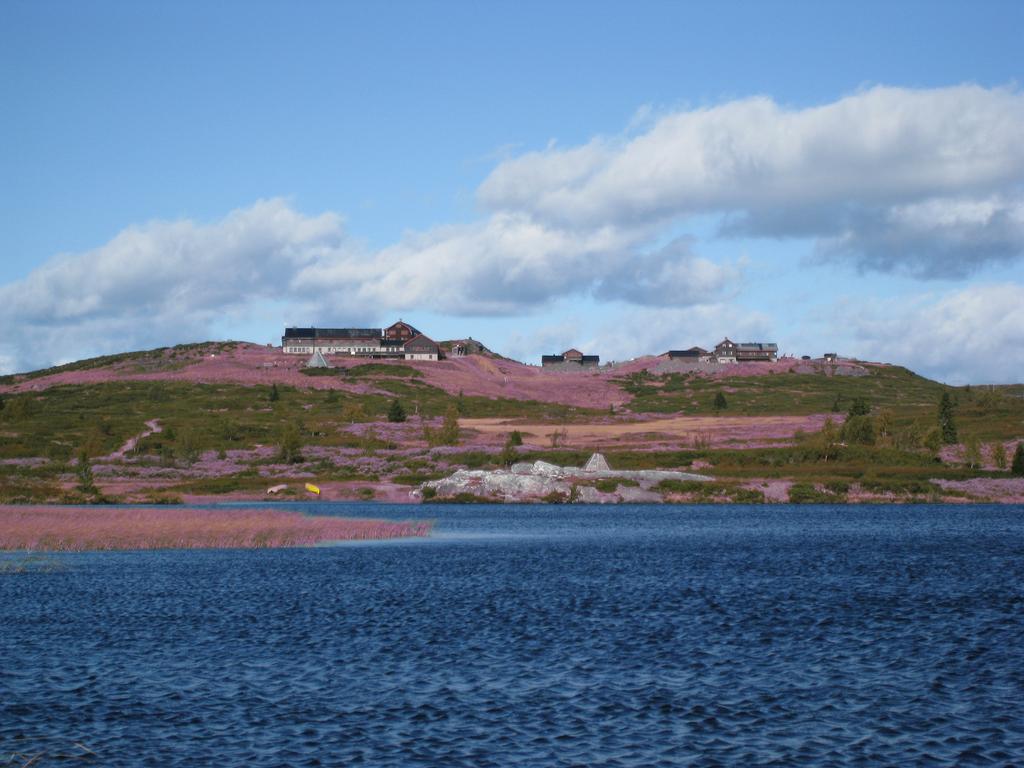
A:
{"x":400,"y":341}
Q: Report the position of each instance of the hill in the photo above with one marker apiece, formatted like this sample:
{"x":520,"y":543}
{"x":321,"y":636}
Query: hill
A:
{"x":229,"y":419}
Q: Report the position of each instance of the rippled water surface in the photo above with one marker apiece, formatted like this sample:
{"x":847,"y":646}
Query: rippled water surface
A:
{"x":535,"y":636}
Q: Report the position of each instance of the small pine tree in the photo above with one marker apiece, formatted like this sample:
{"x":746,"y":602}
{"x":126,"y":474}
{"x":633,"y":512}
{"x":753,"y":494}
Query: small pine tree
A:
{"x":946,"y":423}
{"x":720,"y":403}
{"x":460,"y":404}
{"x":396,"y":413}
{"x":515,"y":437}
{"x":508,"y":453}
{"x":274,"y":394}
{"x":1,"y":402}
{"x":84,"y":472}
{"x":1017,"y":467}
{"x":835,"y":404}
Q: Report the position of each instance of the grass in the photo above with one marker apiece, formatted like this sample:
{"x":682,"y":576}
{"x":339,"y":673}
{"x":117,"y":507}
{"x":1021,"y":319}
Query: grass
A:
{"x":70,"y":529}
{"x":783,"y":393}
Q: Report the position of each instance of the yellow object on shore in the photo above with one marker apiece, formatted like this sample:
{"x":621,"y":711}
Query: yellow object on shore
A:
{"x":312,"y":489}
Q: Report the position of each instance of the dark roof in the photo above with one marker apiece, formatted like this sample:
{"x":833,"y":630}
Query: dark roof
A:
{"x":332,"y":333}
{"x":414,"y":331}
{"x":684,"y":353}
{"x":421,"y":342}
{"x":757,"y":346}
{"x":552,"y":359}
{"x":591,"y":358}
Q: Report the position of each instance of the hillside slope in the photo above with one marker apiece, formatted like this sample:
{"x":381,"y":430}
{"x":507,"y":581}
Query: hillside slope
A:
{"x":228,"y":420}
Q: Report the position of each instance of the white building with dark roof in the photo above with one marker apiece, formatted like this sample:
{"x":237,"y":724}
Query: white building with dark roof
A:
{"x":400,"y":341}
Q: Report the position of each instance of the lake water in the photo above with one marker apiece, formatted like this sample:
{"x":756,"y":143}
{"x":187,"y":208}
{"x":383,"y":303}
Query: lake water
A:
{"x":536,"y":636}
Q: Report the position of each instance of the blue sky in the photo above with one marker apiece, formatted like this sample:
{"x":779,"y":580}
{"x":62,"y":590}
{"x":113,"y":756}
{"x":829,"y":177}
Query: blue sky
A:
{"x":624,"y":178}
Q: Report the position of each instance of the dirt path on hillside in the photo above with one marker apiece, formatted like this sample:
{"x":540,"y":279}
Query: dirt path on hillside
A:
{"x":152,"y":427}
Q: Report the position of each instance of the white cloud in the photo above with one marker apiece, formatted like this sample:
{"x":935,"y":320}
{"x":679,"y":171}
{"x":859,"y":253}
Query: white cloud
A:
{"x":972,"y":335}
{"x":503,"y":265}
{"x":168,"y":282}
{"x":943,"y":237}
{"x":830,"y":171}
{"x":160,"y":283}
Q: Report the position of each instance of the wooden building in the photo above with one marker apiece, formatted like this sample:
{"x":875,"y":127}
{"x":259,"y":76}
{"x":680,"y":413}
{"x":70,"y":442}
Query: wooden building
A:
{"x":573,"y":357}
{"x":693,"y":354}
{"x":727,"y":351}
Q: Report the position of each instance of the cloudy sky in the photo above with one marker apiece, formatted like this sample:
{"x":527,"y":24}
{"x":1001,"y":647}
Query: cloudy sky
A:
{"x":621,"y":177}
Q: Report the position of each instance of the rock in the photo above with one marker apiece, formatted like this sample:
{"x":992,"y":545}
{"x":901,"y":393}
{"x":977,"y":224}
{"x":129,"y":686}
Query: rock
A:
{"x":547,"y":469}
{"x":634,"y":495}
{"x":532,"y":482}
{"x":587,"y":494}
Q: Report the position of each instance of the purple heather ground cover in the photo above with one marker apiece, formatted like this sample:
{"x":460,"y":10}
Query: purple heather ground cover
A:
{"x":73,"y":529}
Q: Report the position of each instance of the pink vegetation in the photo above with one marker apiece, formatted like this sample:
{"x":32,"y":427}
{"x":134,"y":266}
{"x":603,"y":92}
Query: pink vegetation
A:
{"x":76,"y":529}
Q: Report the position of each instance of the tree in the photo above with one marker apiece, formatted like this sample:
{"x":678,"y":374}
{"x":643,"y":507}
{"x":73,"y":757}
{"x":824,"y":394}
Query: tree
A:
{"x":859,"y":407}
{"x":720,"y":403}
{"x":835,"y":403}
{"x":828,"y":440}
{"x":396,"y":413}
{"x":460,"y":404}
{"x":859,"y":429}
{"x":352,"y":412}
{"x":946,"y":423}
{"x":972,"y":452}
{"x":932,"y":439}
{"x":290,"y":445}
{"x":515,"y":437}
{"x":450,"y":427}
{"x":998,"y":453}
{"x":1017,"y":467}
{"x":84,"y":473}
{"x":188,"y":446}
{"x":884,"y":425}
{"x":508,"y":453}
{"x":274,"y":394}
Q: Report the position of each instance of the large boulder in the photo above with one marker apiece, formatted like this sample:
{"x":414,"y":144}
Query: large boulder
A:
{"x":547,"y":469}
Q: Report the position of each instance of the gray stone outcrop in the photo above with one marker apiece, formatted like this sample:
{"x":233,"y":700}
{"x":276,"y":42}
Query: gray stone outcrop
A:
{"x":524,"y":482}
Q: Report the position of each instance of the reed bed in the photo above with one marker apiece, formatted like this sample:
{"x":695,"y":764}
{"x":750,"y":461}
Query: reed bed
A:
{"x":75,"y":529}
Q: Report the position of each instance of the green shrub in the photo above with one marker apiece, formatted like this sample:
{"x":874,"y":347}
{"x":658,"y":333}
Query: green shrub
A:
{"x":806,"y":493}
{"x":1017,"y":466}
{"x":859,"y":429}
{"x":396,"y":413}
